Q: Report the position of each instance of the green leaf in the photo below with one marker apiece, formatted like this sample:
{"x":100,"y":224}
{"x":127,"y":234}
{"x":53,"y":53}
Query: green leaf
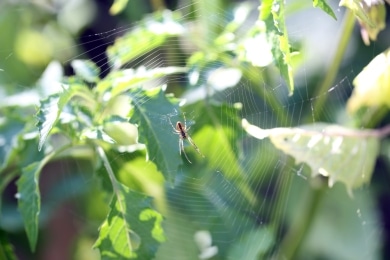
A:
{"x":339,"y":153}
{"x":265,"y":9}
{"x":152,"y":32}
{"x":132,"y":228}
{"x":253,"y":245}
{"x":51,"y":109}
{"x":118,"y":6}
{"x":10,"y":128}
{"x":372,"y":85}
{"x":218,"y":131}
{"x":97,"y":134}
{"x":325,"y":7}
{"x":359,"y":8}
{"x":123,"y":80}
{"x":87,"y":70}
{"x":278,"y":38}
{"x":29,"y":200}
{"x":6,"y":249}
{"x":152,"y":111}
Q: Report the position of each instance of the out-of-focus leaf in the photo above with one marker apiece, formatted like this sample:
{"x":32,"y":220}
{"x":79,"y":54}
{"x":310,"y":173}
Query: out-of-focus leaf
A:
{"x":151,"y":33}
{"x":278,"y":38}
{"x":123,"y":80}
{"x":51,"y":109}
{"x":359,"y":8}
{"x":265,"y":9}
{"x":210,"y":198}
{"x":253,"y":245}
{"x":6,"y":250}
{"x":10,"y":128}
{"x":371,"y":16}
{"x":372,"y":85}
{"x":151,"y":113}
{"x":339,"y":153}
{"x":132,"y":228}
{"x":97,"y":134}
{"x":86,"y":69}
{"x":325,"y":7}
{"x":255,"y":48}
{"x":217,"y":139}
{"x":118,"y":6}
{"x":29,"y":200}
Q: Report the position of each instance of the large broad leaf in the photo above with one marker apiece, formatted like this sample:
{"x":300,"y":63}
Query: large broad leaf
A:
{"x":278,"y":38}
{"x":372,"y":85}
{"x":151,"y":33}
{"x":151,"y":112}
{"x":132,"y":228}
{"x":51,"y":109}
{"x":29,"y":200}
{"x":339,"y":153}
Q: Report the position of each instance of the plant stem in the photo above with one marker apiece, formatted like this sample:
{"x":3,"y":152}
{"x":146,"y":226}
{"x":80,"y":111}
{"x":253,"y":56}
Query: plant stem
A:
{"x":348,"y":24}
{"x":110,"y":172}
{"x":298,"y":231}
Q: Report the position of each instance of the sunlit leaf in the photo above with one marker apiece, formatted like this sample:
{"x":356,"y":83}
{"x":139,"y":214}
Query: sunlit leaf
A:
{"x":132,"y":228}
{"x":372,"y":85}
{"x":118,"y":6}
{"x":151,"y":113}
{"x":256,"y":48}
{"x":123,"y":80}
{"x":29,"y":200}
{"x":278,"y":38}
{"x":325,"y":7}
{"x":151,"y":33}
{"x":87,"y":70}
{"x":51,"y":109}
{"x":358,"y":8}
{"x":371,"y":16}
{"x":339,"y":153}
{"x":265,"y":9}
{"x":97,"y":134}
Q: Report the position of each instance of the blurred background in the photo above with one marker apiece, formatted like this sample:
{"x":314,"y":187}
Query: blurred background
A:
{"x":41,"y":33}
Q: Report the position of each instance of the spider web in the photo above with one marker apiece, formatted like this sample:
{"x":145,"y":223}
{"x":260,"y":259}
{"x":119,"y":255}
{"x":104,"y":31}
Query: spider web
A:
{"x":251,"y":211}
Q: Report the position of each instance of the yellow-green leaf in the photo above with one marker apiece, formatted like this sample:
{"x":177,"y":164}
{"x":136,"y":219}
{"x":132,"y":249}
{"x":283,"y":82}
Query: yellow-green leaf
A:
{"x":341,"y":154}
{"x":371,"y":16}
{"x":118,"y":6}
{"x":132,"y":228}
{"x":325,"y":7}
{"x":357,"y":7}
{"x":372,"y":85}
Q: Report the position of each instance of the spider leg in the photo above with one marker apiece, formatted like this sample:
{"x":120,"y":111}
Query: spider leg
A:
{"x":194,"y":145}
{"x":181,"y":147}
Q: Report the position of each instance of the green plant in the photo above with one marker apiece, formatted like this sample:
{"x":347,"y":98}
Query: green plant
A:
{"x":117,"y":121}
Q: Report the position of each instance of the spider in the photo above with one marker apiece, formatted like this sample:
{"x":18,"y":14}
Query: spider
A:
{"x":182,"y":131}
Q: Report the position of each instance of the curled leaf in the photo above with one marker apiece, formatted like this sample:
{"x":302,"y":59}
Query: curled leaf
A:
{"x":341,"y":154}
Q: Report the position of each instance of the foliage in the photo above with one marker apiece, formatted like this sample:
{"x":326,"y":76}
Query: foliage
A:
{"x":120,"y":122}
